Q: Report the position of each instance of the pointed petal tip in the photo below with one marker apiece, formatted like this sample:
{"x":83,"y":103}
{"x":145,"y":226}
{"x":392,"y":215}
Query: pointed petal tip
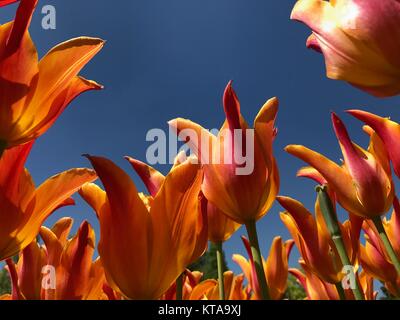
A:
{"x":231,"y":107}
{"x":291,"y":148}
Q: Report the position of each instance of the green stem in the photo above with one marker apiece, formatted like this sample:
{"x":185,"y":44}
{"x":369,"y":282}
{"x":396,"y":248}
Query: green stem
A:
{"x":340,"y":291}
{"x":3,"y":147}
{"x":386,"y":242}
{"x":255,"y":250}
{"x":220,"y":264}
{"x":332,"y":223}
{"x":179,"y":287}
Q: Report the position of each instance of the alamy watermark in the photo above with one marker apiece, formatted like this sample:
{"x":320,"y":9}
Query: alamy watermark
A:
{"x":49,"y":19}
{"x":234,"y":147}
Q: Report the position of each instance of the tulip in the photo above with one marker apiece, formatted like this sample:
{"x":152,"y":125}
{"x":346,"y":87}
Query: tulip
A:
{"x":146,"y":245}
{"x":388,"y":131}
{"x":325,"y":253}
{"x":190,"y":281}
{"x":35,"y":93}
{"x":315,"y":288}
{"x":373,"y":257}
{"x":209,"y":289}
{"x":318,"y":247}
{"x":76,"y":277}
{"x":23,"y":208}
{"x":244,"y":196}
{"x":312,"y":239}
{"x":360,"y":41}
{"x":363,"y":184}
{"x":275,"y":266}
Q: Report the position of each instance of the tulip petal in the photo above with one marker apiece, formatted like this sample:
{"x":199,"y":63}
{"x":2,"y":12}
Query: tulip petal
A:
{"x":388,"y":131}
{"x":62,"y":228}
{"x":232,"y":108}
{"x":29,"y":269}
{"x":264,"y":126}
{"x":94,"y":196}
{"x":177,"y":203}
{"x":21,"y":23}
{"x":152,"y":178}
{"x":199,"y":140}
{"x":11,"y":168}
{"x":368,"y":176}
{"x":76,"y":263}
{"x":6,"y":2}
{"x":336,"y":176}
{"x":277,"y":269}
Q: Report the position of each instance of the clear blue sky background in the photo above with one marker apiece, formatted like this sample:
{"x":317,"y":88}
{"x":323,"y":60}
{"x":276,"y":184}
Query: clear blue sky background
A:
{"x":172,"y":58}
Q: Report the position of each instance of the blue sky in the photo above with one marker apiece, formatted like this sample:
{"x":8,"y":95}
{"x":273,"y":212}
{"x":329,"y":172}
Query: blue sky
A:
{"x":172,"y":58}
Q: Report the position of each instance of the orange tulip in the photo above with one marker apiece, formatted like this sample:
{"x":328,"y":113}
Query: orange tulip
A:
{"x":387,"y":130}
{"x":76,"y":277}
{"x":315,"y":288}
{"x":363,"y":184}
{"x":360,"y":41}
{"x":34,"y":94}
{"x":191,"y":280}
{"x":243,"y":197}
{"x":209,"y":289}
{"x":373,"y":256}
{"x":146,"y":245}
{"x":314,"y":242}
{"x":23,"y":208}
{"x":275,"y":268}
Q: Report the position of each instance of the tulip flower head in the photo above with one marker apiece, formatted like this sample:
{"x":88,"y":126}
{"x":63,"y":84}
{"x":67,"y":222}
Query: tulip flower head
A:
{"x":190,"y":281}
{"x":314,"y":242}
{"x":208,"y":289}
{"x":242,"y":195}
{"x":360,"y":41}
{"x":363,"y":184}
{"x":146,"y":242}
{"x":275,"y":267}
{"x":373,"y":256}
{"x":34,"y":93}
{"x":61,"y":269}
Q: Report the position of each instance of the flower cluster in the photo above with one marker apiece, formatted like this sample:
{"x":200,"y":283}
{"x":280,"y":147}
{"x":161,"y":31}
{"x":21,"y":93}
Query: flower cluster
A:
{"x":148,"y":241}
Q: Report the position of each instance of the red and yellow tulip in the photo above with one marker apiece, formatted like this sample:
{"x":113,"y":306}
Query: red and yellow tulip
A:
{"x":23,"y":208}
{"x":190,"y":281}
{"x":147,"y":242}
{"x":360,"y":41}
{"x":33,"y":93}
{"x":209,"y":289}
{"x":314,"y":242}
{"x":373,"y":256}
{"x":244,"y":197}
{"x":76,"y":276}
{"x":275,"y":268}
{"x":363,"y":184}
